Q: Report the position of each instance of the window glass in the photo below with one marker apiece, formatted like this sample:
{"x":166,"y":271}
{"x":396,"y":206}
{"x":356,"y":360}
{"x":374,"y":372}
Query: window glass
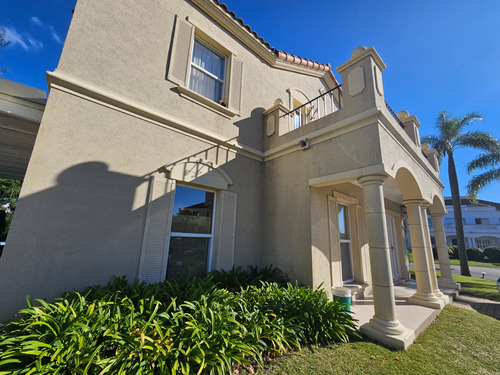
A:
{"x":191,"y":238}
{"x":187,"y":257}
{"x":207,"y":72}
{"x":193,"y":210}
{"x":343,"y":222}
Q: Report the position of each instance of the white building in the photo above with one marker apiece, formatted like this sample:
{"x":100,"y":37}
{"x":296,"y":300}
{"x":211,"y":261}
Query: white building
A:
{"x":481,"y":223}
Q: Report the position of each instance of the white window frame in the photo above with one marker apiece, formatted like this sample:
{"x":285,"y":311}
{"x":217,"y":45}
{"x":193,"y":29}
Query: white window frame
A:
{"x":193,"y":65}
{"x":210,"y":235}
{"x":348,"y":241}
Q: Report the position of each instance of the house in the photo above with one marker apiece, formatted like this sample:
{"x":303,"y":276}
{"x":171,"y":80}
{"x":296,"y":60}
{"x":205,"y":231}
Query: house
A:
{"x":197,"y":112}
{"x":481,"y":223}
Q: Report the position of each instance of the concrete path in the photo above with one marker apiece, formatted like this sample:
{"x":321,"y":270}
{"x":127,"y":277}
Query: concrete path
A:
{"x":481,"y":305}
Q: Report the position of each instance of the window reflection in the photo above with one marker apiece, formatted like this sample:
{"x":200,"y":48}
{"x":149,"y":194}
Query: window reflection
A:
{"x":193,"y":211}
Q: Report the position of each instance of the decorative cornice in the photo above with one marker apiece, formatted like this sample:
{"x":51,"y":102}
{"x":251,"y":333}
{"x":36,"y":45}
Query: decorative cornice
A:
{"x":72,"y":85}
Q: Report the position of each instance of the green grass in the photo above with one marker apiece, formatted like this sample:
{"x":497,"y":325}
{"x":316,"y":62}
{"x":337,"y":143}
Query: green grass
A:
{"x":456,"y":262}
{"x":459,"y":342}
{"x":473,"y":286}
{"x":478,"y":287}
{"x":472,"y":263}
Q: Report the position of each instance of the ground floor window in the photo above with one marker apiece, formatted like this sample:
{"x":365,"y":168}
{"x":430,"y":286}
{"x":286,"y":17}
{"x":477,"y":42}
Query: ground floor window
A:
{"x":345,"y":243}
{"x":190,"y":245}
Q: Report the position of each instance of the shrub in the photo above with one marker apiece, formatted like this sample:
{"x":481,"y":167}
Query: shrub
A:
{"x":453,"y":251}
{"x":170,"y":327}
{"x":474,"y":253}
{"x":492,"y":253}
{"x":238,"y":277}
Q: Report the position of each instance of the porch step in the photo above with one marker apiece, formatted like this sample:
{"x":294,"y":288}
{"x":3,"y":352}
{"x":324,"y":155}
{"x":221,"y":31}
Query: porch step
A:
{"x":357,"y":290}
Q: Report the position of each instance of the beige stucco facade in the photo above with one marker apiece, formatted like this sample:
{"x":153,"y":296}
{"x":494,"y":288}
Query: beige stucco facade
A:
{"x":122,"y":129}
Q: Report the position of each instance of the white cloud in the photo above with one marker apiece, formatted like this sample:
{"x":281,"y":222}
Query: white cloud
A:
{"x":35,"y":43}
{"x":25,"y":40}
{"x":37,"y":21}
{"x":56,"y":37}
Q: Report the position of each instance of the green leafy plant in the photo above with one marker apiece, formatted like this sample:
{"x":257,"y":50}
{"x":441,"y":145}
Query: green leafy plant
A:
{"x":172,"y":327}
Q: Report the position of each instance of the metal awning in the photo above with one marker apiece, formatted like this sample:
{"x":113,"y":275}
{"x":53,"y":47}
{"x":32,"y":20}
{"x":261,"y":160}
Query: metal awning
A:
{"x":21,"y":110}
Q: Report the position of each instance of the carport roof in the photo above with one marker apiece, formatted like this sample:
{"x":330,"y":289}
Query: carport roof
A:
{"x":21,"y":110}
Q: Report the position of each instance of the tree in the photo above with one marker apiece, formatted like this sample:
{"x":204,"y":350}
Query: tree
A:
{"x":490,"y":160}
{"x":9,"y":193}
{"x":3,"y":42}
{"x":451,"y":136}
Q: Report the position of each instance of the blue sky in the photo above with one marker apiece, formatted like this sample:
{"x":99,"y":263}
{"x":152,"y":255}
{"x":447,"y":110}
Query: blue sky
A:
{"x":440,"y":55}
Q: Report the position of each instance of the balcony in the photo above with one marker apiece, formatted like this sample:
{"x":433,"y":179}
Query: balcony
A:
{"x":357,"y":108}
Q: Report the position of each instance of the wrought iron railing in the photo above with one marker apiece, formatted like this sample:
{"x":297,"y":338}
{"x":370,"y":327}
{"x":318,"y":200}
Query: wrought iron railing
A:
{"x":394,"y":115}
{"x":321,"y":106}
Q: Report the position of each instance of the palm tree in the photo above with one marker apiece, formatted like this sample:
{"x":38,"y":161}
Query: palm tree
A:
{"x":489,"y":159}
{"x":450,"y":136}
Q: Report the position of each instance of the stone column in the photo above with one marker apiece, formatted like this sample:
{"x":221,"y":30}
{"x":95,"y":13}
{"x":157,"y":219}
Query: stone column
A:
{"x":385,"y":319}
{"x":430,"y":256}
{"x":425,"y":291}
{"x":446,"y":280}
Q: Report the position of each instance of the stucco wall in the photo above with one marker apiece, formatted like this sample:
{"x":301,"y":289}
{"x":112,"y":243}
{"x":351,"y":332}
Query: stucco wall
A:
{"x":80,"y":217}
{"x":126,"y":49}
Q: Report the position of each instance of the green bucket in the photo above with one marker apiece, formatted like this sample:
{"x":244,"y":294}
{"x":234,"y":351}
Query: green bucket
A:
{"x":342,"y":295}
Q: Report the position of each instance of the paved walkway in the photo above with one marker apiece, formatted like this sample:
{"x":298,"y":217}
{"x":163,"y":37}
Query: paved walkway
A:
{"x":481,"y":305}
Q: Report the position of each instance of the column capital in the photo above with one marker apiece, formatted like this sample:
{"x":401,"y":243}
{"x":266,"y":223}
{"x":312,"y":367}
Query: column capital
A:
{"x":436,"y":214}
{"x":415,"y":202}
{"x":374,"y":179}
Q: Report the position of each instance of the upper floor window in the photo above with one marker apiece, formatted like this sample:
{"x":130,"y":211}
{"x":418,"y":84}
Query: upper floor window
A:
{"x":482,"y":220}
{"x":207,"y":71}
{"x":204,"y":70}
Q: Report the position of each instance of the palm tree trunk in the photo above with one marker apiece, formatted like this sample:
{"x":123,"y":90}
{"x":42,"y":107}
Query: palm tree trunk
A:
{"x":457,"y":212}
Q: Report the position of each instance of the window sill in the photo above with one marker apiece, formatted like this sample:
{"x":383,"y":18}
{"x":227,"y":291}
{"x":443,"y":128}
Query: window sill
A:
{"x":205,"y":102}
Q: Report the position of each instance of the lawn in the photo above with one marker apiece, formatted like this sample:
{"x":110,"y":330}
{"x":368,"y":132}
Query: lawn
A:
{"x":456,"y":262}
{"x":472,"y":263}
{"x":459,"y":342}
{"x":477,"y":287}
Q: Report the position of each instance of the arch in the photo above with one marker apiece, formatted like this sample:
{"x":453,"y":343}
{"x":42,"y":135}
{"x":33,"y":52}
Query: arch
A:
{"x":298,"y":95}
{"x":437,"y":206}
{"x":200,"y":172}
{"x":407,"y":183}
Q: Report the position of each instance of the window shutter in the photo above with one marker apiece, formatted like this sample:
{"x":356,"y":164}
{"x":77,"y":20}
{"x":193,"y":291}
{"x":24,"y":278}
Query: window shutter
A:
{"x":224,"y":250}
{"x":153,"y":263}
{"x":235,"y":84}
{"x":180,"y":56}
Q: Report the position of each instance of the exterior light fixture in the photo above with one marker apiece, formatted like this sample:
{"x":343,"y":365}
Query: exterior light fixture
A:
{"x":304,"y":144}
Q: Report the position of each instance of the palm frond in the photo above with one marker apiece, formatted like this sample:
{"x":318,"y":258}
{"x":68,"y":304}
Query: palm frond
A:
{"x":480,"y":181}
{"x":490,"y":159}
{"x":469,"y":118}
{"x":477,"y":139}
{"x":441,"y":146}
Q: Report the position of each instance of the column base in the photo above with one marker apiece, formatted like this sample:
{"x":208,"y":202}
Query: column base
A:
{"x":449,"y":284}
{"x":400,"y":341}
{"x":389,"y":327}
{"x":427,"y":301}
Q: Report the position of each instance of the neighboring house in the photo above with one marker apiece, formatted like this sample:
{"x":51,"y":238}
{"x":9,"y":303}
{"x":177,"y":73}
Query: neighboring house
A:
{"x":481,"y":223}
{"x":21,"y":109}
{"x":201,"y":147}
